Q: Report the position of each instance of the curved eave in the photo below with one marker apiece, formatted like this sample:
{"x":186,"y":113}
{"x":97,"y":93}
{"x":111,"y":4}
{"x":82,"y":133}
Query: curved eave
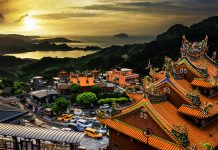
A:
{"x":157,"y":118}
{"x":192,"y":112}
{"x":138,"y":135}
{"x":189,"y":66}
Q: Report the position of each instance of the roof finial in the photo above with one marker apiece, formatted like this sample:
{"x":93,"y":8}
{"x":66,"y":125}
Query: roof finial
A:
{"x":149,"y":64}
{"x":206,"y":38}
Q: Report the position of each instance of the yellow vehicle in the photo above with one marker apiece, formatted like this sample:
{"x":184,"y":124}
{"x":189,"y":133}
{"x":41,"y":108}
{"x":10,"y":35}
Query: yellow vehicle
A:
{"x":92,"y":133}
{"x":68,"y":118}
{"x":65,"y":117}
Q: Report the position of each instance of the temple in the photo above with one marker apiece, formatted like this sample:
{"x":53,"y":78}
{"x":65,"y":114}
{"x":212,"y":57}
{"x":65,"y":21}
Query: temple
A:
{"x":178,"y":105}
{"x":85,"y":80}
{"x":123,"y":77}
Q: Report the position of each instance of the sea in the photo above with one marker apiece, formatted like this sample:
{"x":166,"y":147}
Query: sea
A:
{"x":101,"y":41}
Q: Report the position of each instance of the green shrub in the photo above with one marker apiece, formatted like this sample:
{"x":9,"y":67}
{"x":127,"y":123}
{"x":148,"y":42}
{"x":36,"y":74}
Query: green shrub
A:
{"x":110,"y":100}
{"x":86,"y":98}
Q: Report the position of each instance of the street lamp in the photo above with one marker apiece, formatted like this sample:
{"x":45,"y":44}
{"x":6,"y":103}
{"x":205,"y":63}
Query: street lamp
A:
{"x":148,"y":132}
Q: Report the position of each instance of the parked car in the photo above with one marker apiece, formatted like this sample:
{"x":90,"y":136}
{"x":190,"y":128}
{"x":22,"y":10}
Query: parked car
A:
{"x":78,"y":112}
{"x":92,"y":113}
{"x":83,"y":123}
{"x":103,"y":130}
{"x":92,"y":133}
{"x":105,"y":106}
{"x":54,"y":128}
{"x":66,"y":129}
{"x":76,"y":127}
{"x":65,"y":117}
{"x":94,"y":122}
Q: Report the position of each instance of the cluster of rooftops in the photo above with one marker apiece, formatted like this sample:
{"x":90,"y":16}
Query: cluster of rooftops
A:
{"x":181,"y":101}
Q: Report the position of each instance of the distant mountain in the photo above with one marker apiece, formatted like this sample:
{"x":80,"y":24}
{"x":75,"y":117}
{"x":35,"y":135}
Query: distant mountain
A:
{"x":166,"y":44}
{"x":60,"y":40}
{"x":121,"y":35}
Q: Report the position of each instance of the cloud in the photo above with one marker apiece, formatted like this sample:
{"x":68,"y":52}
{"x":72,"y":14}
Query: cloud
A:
{"x":21,"y":18}
{"x":2,"y":18}
{"x":3,"y":9}
{"x":174,"y":7}
{"x":65,"y":15}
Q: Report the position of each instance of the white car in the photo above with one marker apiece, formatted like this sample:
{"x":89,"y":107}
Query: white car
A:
{"x":78,"y":112}
{"x":105,"y":106}
{"x":83,"y":123}
{"x":66,"y":129}
{"x":54,"y":128}
{"x":102,"y":130}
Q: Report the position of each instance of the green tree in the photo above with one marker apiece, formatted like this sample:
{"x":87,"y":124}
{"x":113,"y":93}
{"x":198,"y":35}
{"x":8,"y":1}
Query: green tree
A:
{"x":75,"y":88}
{"x":86,"y":98}
{"x":73,"y":97}
{"x":19,"y":92}
{"x":61,"y":104}
{"x":96,"y":89}
{"x":1,"y":85}
{"x":7,"y":83}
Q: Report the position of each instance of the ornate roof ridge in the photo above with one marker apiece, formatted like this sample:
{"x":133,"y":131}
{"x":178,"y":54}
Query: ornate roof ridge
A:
{"x":145,"y":104}
{"x":177,"y":91}
{"x":138,"y":134}
{"x":197,"y":114}
{"x":190,"y":66}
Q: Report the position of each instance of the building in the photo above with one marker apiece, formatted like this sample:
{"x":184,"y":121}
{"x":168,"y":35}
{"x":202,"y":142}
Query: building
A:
{"x":96,"y":73}
{"x":15,"y":137}
{"x":37,"y":83}
{"x":63,"y":76}
{"x":106,"y":87}
{"x":11,"y":115}
{"x":124,"y":77}
{"x":86,"y":81}
{"x":178,"y":107}
{"x":62,"y":83}
{"x":44,"y":96}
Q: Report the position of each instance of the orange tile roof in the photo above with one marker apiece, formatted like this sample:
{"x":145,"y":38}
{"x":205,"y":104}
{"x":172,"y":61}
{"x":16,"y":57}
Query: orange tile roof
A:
{"x":201,"y":83}
{"x":189,"y":67}
{"x":183,"y":86}
{"x":159,"y":75}
{"x":196,"y":135}
{"x":193,"y":112}
{"x":212,"y":69}
{"x":182,"y":93}
{"x":137,"y":134}
{"x":146,"y":104}
{"x":83,"y":80}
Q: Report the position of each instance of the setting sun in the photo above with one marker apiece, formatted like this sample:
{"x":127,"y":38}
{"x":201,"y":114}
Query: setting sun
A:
{"x":29,"y":23}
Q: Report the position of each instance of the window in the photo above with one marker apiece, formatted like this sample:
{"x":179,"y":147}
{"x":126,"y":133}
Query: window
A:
{"x":116,"y":147}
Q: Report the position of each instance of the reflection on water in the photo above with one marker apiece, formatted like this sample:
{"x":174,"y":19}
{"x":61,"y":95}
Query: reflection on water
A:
{"x":58,"y":54}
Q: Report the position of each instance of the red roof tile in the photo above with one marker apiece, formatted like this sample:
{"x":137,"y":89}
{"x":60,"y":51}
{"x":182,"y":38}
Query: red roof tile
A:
{"x":137,"y":134}
{"x":193,"y":112}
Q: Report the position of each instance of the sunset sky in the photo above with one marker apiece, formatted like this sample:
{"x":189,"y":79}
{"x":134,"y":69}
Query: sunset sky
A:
{"x":100,"y":17}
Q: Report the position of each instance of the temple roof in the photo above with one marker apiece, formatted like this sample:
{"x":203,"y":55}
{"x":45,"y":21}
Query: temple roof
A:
{"x":196,"y":135}
{"x":137,"y":134}
{"x":192,"y":112}
{"x":204,"y":83}
{"x":165,"y":115}
{"x":83,"y":81}
{"x":184,"y":87}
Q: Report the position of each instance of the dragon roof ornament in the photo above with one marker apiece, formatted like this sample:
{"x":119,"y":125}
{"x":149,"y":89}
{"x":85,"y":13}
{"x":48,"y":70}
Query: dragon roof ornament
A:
{"x":194,"y":49}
